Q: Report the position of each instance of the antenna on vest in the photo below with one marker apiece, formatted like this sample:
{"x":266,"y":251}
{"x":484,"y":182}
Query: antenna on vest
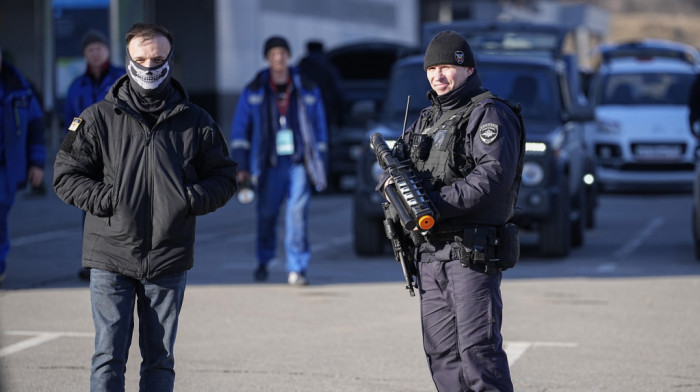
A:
{"x":405,"y":117}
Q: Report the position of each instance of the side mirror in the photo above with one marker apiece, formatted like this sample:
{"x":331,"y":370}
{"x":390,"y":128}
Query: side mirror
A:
{"x":582,"y":114}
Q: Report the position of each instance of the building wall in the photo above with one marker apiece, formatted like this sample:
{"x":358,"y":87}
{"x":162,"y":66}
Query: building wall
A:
{"x":243,"y":26}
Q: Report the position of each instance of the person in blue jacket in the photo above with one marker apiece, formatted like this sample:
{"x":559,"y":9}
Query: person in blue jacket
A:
{"x":99,"y":76}
{"x":22,"y":145}
{"x":91,"y":86}
{"x":279,"y":139}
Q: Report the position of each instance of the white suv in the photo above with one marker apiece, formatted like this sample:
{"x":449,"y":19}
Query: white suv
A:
{"x":642,"y":138}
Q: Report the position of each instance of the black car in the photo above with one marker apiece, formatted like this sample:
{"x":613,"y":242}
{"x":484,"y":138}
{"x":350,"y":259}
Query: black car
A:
{"x":364,"y":69}
{"x":557,"y":198}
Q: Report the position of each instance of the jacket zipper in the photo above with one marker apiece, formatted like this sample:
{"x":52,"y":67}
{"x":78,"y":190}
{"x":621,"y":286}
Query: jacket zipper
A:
{"x":149,"y":182}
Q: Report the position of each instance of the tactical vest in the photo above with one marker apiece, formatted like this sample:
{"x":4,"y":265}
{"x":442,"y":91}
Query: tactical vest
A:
{"x":440,"y":160}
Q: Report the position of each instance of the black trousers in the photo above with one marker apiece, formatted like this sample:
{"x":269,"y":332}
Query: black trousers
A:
{"x":461,"y":313}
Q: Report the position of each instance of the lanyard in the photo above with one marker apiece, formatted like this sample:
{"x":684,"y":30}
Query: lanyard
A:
{"x":282,"y":104}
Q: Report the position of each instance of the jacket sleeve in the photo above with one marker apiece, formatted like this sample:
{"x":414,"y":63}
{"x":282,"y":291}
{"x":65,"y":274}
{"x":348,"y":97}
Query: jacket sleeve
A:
{"x":78,"y":173}
{"x":72,"y":109}
{"x":495,"y":162}
{"x":241,"y":132}
{"x":36,"y":143}
{"x":320,"y":127}
{"x":216,"y":173}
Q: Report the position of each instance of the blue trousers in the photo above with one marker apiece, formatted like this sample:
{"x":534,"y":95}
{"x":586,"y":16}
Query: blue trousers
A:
{"x":287,"y":183}
{"x":158,"y":303}
{"x":7,"y":198}
{"x":461,"y":314}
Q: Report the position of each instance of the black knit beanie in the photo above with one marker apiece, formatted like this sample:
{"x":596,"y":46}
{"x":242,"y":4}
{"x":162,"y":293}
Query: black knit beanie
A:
{"x":92,"y":36}
{"x":275,"y":42}
{"x":448,"y":47}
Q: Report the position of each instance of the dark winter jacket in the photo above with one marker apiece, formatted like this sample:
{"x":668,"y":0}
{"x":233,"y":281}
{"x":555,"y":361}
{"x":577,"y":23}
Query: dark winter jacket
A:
{"x":141,"y":187}
{"x":22,"y":127}
{"x":491,"y":140}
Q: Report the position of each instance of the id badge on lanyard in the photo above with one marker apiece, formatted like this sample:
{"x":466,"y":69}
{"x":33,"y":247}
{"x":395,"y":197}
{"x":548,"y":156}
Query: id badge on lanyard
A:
{"x":285,"y":138}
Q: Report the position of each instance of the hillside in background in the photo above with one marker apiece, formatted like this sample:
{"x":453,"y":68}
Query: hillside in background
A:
{"x":676,"y":20}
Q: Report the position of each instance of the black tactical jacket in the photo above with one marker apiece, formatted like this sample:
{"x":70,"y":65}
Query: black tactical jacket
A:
{"x":142,"y":187}
{"x":482,"y":164}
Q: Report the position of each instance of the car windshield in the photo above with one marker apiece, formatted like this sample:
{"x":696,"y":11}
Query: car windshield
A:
{"x":407,"y":80}
{"x":645,"y":89}
{"x":533,"y":88}
{"x":535,"y":43}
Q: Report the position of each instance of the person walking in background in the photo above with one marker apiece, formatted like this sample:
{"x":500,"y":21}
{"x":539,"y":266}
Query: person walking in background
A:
{"x":279,"y":139}
{"x":22,"y":145}
{"x":467,"y":148}
{"x":91,"y":86}
{"x":99,"y":76}
{"x":142,"y":163}
{"x":317,"y":67}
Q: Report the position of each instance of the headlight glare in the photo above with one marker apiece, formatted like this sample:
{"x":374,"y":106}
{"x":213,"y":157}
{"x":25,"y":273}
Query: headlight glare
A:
{"x":533,"y":174}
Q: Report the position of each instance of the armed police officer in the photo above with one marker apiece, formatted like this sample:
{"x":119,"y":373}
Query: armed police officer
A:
{"x":467,"y":149}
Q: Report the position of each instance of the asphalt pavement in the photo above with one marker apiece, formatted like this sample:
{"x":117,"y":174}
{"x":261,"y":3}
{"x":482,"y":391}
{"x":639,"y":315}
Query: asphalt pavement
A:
{"x":619,"y":314}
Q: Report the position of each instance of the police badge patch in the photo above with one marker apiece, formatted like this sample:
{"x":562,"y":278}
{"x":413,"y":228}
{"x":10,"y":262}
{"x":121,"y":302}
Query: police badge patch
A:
{"x":459,"y":56}
{"x":488,"y":132}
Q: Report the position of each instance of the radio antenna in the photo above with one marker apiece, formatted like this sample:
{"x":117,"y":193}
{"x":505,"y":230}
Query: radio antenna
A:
{"x":405,"y":117}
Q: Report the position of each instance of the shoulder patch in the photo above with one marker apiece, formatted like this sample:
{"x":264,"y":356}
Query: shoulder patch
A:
{"x":488,"y":132}
{"x":75,"y":124}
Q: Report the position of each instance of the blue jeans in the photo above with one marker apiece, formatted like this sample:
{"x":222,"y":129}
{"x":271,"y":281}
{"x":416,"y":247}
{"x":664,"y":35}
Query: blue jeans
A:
{"x":287,"y":182}
{"x":158,"y":303}
{"x":6,"y":201}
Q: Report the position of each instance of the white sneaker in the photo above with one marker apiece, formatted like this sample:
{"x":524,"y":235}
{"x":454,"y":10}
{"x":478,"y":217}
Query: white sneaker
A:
{"x":297,"y":279}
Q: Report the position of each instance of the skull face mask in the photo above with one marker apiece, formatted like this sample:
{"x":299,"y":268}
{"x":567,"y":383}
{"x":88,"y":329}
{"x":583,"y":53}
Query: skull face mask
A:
{"x":149,"y":81}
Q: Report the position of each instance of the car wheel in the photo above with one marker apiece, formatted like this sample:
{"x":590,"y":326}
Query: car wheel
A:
{"x":555,"y":233}
{"x":696,"y":233}
{"x":591,"y":205}
{"x":369,"y":236}
{"x":578,"y":225}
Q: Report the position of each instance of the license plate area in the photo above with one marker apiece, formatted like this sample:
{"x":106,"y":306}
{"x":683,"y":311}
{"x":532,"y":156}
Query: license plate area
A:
{"x":658,"y":152}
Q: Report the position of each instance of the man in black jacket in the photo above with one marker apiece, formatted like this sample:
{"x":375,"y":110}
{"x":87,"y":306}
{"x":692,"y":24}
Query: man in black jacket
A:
{"x":467,"y":149}
{"x":143,"y":163}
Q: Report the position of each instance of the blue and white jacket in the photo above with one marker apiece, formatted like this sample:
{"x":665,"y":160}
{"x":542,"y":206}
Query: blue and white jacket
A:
{"x":22,"y":140}
{"x":254,"y":128}
{"x":83,"y":92}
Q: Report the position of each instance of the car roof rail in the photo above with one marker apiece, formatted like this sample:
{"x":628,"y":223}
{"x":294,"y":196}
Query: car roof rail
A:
{"x":647,"y":49}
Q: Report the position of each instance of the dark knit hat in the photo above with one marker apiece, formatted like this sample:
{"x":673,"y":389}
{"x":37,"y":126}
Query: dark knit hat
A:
{"x":448,"y":47}
{"x":275,"y":42}
{"x":93,"y":36}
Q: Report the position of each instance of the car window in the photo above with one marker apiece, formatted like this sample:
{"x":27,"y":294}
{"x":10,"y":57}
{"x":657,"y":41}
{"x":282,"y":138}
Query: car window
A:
{"x":407,"y":80}
{"x":645,"y":89}
{"x":533,"y":88}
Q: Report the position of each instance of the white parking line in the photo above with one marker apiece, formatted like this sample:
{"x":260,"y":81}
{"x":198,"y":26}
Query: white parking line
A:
{"x":43,"y":237}
{"x":636,"y":241}
{"x":36,"y":339}
{"x":515,"y":350}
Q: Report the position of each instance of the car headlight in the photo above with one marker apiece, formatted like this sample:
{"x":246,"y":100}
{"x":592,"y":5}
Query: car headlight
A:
{"x":533,"y":174}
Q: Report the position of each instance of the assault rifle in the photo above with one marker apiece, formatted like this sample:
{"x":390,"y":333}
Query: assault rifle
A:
{"x":408,"y":211}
